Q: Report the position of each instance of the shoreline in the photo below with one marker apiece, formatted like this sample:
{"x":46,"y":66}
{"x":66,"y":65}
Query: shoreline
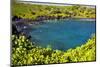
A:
{"x":23,"y":24}
{"x":41,"y":19}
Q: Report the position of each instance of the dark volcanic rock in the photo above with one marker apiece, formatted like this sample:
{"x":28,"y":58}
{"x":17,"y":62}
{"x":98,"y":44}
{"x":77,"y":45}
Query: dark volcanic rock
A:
{"x":14,"y":30}
{"x":15,"y":18}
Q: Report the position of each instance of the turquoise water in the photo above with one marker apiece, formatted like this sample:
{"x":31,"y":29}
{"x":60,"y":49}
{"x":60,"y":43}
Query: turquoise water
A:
{"x":63,"y":34}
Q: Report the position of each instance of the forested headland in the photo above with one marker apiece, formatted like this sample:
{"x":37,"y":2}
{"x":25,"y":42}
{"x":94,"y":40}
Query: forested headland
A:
{"x":47,"y":12}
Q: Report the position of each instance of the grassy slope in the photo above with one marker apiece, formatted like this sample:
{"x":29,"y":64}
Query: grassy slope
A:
{"x":33,"y":11}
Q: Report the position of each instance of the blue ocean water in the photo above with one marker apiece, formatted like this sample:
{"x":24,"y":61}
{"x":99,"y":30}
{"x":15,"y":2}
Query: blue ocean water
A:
{"x":63,"y":34}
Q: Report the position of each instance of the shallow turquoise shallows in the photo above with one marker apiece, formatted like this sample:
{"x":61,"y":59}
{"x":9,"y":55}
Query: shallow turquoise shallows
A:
{"x":63,"y":34}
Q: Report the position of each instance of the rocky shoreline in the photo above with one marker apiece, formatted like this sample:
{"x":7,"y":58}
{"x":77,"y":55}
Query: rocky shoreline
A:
{"x":20,"y":25}
{"x":42,"y":18}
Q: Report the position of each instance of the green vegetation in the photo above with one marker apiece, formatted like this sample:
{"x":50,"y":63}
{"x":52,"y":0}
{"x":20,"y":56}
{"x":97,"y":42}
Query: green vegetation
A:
{"x":24,"y":52}
{"x":34,"y":11}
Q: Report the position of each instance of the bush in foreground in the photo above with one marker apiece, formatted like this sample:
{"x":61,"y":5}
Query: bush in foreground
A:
{"x":24,"y":52}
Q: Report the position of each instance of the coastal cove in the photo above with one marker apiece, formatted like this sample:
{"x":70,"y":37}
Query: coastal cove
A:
{"x":61,"y":34}
{"x":52,"y":33}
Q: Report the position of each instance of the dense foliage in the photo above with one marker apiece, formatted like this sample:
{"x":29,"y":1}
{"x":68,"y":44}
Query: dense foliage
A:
{"x":38,"y":12}
{"x":24,"y":52}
